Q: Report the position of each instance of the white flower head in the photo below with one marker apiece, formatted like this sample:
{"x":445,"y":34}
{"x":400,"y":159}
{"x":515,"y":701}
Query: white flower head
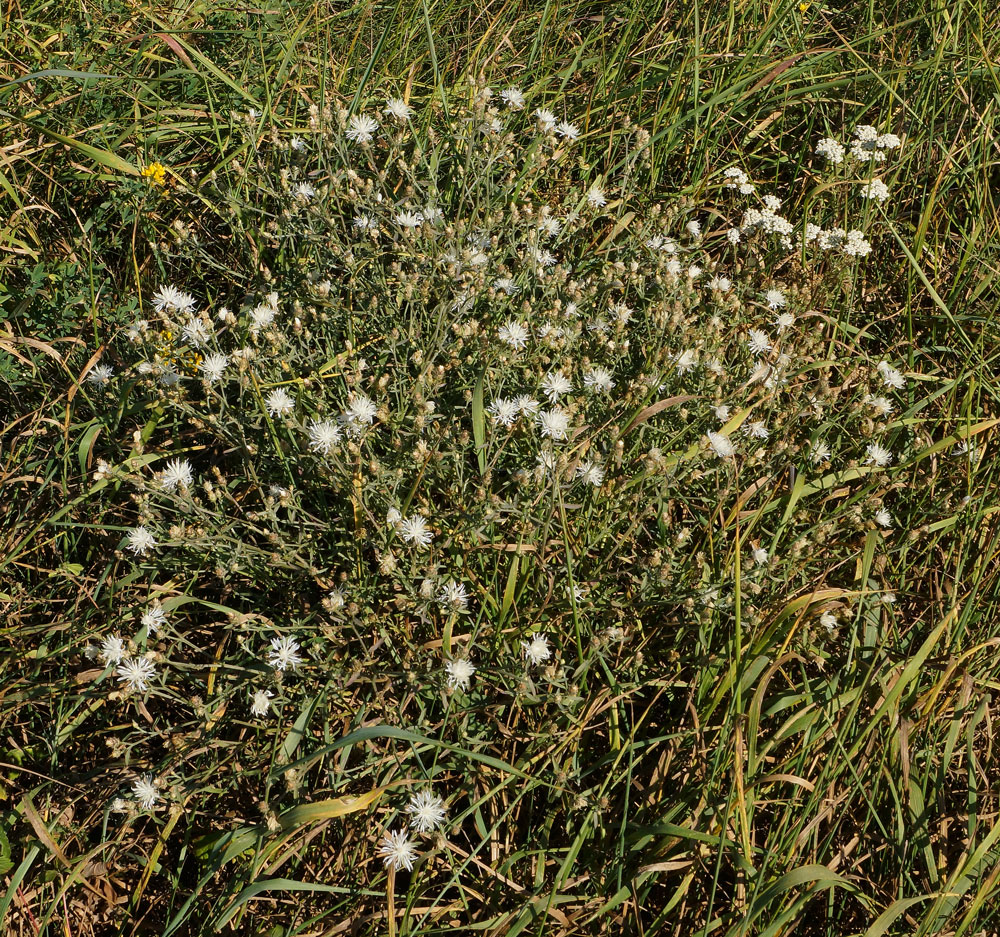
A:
{"x":113,"y":650}
{"x":213,"y":366}
{"x":876,"y":189}
{"x":526,"y":405}
{"x":504,"y":411}
{"x":177,"y":474}
{"x":168,"y":299}
{"x":360,"y":412}
{"x":567,"y":131}
{"x":785,"y":320}
{"x":537,"y":650}
{"x":459,"y":673}
{"x":410,"y":219}
{"x":260,"y":702}
{"x":831,"y":149}
{"x":145,"y":792}
{"x":153,"y":619}
{"x":398,"y":109}
{"x":197,"y":331}
{"x":284,"y":653}
{"x":883,"y":518}
{"x":555,"y":384}
{"x":760,"y":556}
{"x":397,"y":850}
{"x":453,"y":597}
{"x":721,"y":445}
{"x":598,"y":379}
{"x":554,"y":423}
{"x":775,"y":299}
{"x":891,"y":376}
{"x":819,"y":451}
{"x":546,"y":120}
{"x":136,"y":673}
{"x":415,"y":530}
{"x":514,"y":334}
{"x":361,"y":128}
{"x":101,"y":374}
{"x":877,"y":455}
{"x":324,"y":435}
{"x":141,"y":541}
{"x":758,"y":342}
{"x":279,"y":402}
{"x":513,"y":98}
{"x":590,"y":473}
{"x":596,"y":197}
{"x":427,"y":810}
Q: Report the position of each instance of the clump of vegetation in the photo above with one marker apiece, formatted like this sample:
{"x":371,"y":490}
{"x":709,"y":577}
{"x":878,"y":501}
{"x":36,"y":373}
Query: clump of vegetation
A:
{"x":477,"y":535}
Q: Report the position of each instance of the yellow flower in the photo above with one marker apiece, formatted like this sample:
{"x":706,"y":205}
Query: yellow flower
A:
{"x":156,"y":173}
{"x":803,"y":7}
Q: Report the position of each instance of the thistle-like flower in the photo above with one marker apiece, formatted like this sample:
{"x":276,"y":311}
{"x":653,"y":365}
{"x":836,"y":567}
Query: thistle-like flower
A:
{"x":398,"y":109}
{"x":113,"y":649}
{"x":145,"y":792}
{"x":260,"y":702}
{"x":459,"y":673}
{"x":177,"y":474}
{"x":153,"y":619}
{"x":279,"y":402}
{"x":213,"y":366}
{"x":554,"y":423}
{"x":415,"y":530}
{"x":168,"y":299}
{"x":323,"y":436}
{"x":284,"y":653}
{"x":453,"y":597}
{"x":513,"y":98}
{"x":100,"y":375}
{"x":537,"y":650}
{"x":141,"y":541}
{"x":555,"y":384}
{"x":514,"y":334}
{"x":397,"y":850}
{"x":721,"y":445}
{"x":427,"y":810}
{"x":361,"y":128}
{"x":598,"y":379}
{"x":136,"y":673}
{"x":877,"y":455}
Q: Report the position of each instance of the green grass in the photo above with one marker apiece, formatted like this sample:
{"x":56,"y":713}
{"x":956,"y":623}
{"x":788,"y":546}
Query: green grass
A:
{"x":724,"y":769}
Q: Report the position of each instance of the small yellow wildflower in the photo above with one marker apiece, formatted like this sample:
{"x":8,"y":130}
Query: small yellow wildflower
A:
{"x":156,"y":173}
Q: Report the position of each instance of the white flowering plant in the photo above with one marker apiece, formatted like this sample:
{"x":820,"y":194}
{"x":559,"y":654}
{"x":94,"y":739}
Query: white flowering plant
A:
{"x":476,"y":479}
